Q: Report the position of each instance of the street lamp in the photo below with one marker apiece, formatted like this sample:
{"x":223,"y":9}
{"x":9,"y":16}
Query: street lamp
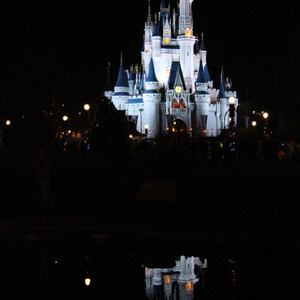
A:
{"x":87,"y":281}
{"x":8,"y":122}
{"x":86,"y":107}
{"x":265,"y":115}
{"x":65,"y":118}
{"x":253,"y":123}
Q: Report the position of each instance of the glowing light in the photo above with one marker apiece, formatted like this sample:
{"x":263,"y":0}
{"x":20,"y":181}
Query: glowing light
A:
{"x":87,"y":281}
{"x":8,"y":122}
{"x":65,"y":118}
{"x":254,"y":123}
{"x":187,"y":32}
{"x":231,"y":100}
{"x":130,"y":136}
{"x":265,"y":115}
{"x":86,"y":107}
{"x":188,"y":286}
{"x":146,"y":126}
{"x":167,"y":41}
{"x":167,"y":279}
{"x":178,"y":89}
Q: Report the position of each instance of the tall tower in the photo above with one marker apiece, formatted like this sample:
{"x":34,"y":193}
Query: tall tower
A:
{"x":121,"y":93}
{"x":202,"y":100}
{"x":186,"y":16}
{"x":186,"y":42}
{"x":151,"y":98}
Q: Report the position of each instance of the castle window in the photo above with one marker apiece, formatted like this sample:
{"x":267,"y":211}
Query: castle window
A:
{"x":167,"y":40}
{"x":167,"y":278}
{"x":175,"y":103}
{"x":181,"y":103}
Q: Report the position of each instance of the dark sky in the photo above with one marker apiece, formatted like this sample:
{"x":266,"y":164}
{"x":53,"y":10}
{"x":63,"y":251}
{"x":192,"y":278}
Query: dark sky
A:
{"x":67,"y":45}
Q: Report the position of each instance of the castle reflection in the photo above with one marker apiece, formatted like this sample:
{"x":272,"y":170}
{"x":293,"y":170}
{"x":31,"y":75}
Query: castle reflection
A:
{"x":177,"y":282}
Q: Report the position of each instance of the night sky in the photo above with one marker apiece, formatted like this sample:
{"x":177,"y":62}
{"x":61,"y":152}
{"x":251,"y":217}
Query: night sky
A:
{"x":66,"y":46}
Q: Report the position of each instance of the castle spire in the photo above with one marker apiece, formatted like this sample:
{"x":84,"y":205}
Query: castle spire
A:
{"x":151,"y":74}
{"x":149,"y":18}
{"x":202,"y":46}
{"x":201,"y":77}
{"x":122,"y":77}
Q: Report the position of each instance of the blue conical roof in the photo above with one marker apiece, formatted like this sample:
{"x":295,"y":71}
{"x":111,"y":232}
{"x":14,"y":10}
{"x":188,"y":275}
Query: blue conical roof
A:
{"x":141,"y":87}
{"x":201,"y":77}
{"x":206,"y":73}
{"x":151,"y":74}
{"x":122,"y":78}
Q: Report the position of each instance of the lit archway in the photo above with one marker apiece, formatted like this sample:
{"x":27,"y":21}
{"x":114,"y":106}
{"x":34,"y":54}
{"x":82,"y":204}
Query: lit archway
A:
{"x":179,"y":127}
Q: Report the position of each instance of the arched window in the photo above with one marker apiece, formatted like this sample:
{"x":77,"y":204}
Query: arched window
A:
{"x":181,"y":103}
{"x":175,"y":103}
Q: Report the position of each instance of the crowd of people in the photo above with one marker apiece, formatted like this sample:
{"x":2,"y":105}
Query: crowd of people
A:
{"x":222,"y":148}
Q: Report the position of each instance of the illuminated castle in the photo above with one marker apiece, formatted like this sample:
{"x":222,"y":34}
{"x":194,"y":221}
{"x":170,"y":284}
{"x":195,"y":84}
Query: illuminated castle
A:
{"x":174,"y":92}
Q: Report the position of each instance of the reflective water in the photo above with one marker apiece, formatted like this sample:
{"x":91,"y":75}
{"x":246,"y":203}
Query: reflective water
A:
{"x":113,"y":270}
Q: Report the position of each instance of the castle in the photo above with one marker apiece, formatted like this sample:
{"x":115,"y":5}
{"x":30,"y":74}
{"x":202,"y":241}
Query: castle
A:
{"x":174,"y":93}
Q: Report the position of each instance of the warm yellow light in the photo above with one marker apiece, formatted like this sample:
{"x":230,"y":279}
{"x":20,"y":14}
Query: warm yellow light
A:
{"x":187,"y":32}
{"x":86,"y":107}
{"x":178,"y":89}
{"x":231,"y":100}
{"x":8,"y":122}
{"x":87,"y":281}
{"x":188,"y":286}
{"x":167,"y":41}
{"x":265,"y":115}
{"x":167,"y":279}
{"x":65,"y":118}
{"x":130,"y":136}
{"x":253,"y":123}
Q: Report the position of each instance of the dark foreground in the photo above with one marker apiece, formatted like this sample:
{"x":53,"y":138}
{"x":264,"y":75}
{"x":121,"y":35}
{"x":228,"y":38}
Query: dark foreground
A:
{"x":109,"y":218}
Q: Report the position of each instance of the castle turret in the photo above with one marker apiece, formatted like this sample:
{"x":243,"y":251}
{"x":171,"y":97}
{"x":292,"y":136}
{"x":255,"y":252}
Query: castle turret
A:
{"x":223,"y":105}
{"x":203,"y":56}
{"x":108,"y":89}
{"x":202,"y":100}
{"x":131,"y":81}
{"x":148,"y":30}
{"x":156,"y":40}
{"x":151,"y":98}
{"x":186,"y":42}
{"x":121,"y":92}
